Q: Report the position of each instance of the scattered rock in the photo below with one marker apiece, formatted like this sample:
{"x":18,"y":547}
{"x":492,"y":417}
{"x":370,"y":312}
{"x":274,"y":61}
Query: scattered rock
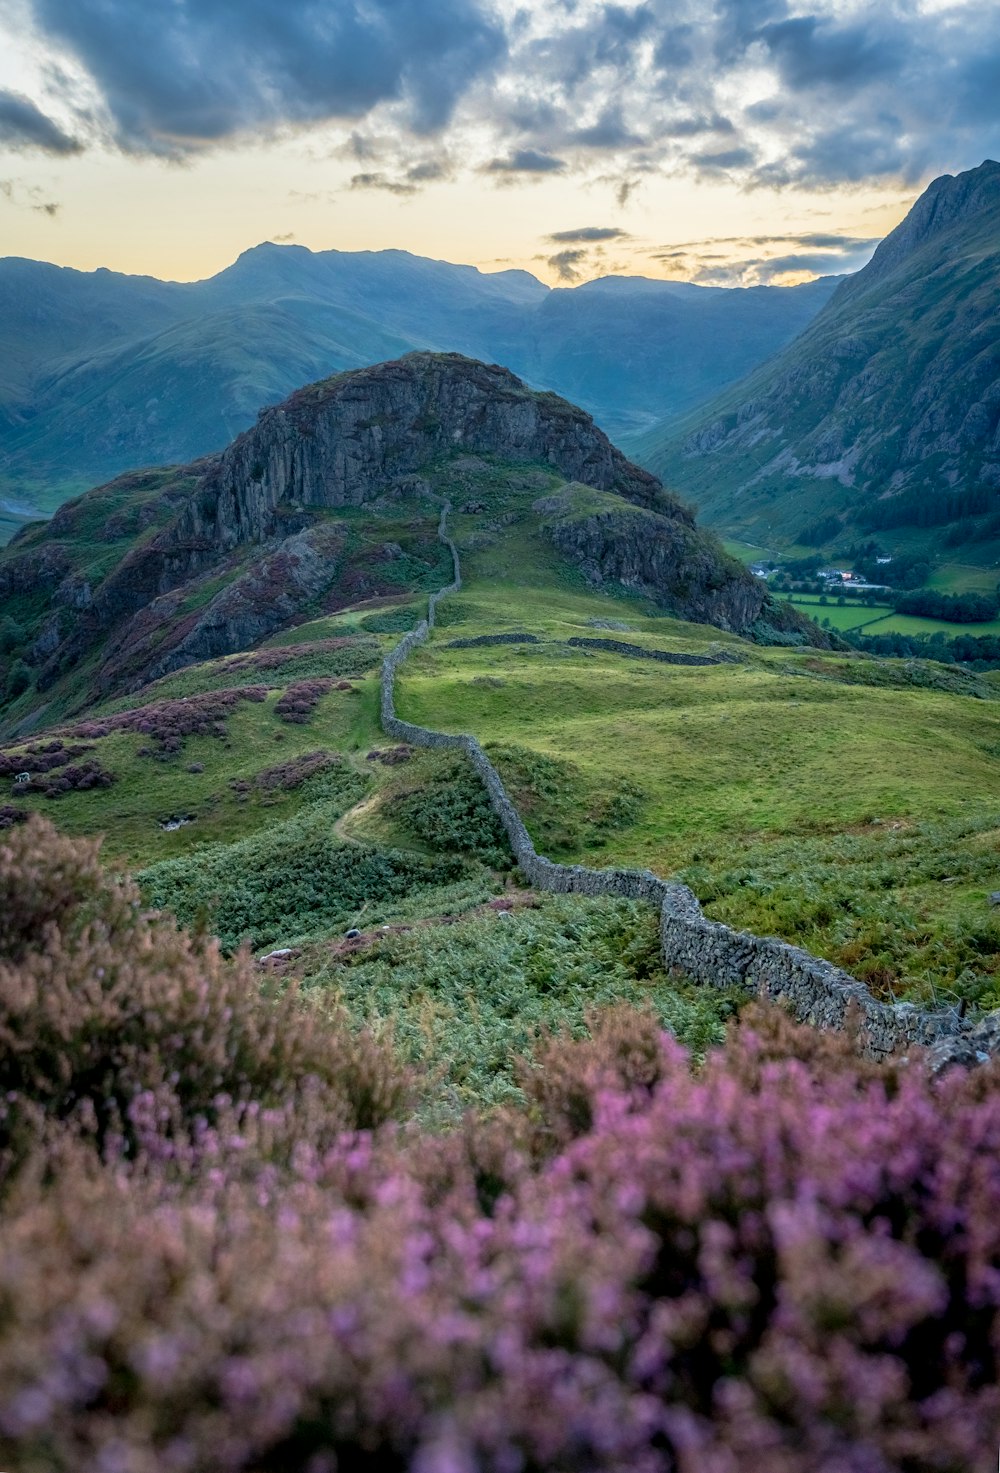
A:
{"x":994,"y":897}
{"x":352,"y":934}
{"x":170,"y":825}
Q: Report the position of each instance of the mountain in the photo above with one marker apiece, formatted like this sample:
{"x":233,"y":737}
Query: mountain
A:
{"x":101,"y":373}
{"x":883,"y":417}
{"x":333,"y":497}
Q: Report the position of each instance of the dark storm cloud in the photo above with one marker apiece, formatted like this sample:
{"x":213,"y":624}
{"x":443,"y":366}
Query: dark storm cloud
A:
{"x":613,"y":92}
{"x":193,"y":72}
{"x":526,"y":161}
{"x":809,"y":53}
{"x":587,"y":235}
{"x":23,"y":125}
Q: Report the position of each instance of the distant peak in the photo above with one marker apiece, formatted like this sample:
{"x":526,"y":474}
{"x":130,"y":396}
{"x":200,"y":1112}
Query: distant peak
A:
{"x":947,"y":200}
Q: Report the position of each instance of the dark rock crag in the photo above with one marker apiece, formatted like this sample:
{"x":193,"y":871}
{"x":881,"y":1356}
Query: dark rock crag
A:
{"x":257,"y":518}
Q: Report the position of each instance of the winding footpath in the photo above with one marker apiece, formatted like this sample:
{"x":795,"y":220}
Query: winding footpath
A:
{"x":815,"y":991}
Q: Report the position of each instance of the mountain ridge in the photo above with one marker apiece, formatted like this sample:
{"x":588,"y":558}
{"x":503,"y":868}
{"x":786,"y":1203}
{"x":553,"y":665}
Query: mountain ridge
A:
{"x":100,"y":374}
{"x":885,"y":407}
{"x":324,"y":500}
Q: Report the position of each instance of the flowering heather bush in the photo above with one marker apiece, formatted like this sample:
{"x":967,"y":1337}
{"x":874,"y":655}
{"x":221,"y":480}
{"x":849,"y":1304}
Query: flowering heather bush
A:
{"x":301,"y":699}
{"x":775,"y":1262}
{"x":42,"y":757}
{"x":169,"y":723}
{"x":76,"y":778}
{"x":102,"y":1003}
{"x":287,"y":776}
{"x":9,"y":815}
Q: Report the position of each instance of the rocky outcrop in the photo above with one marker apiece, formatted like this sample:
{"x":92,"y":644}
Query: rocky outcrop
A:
{"x":663,"y":558}
{"x":666,"y":561}
{"x":347,"y":440}
{"x":241,"y":543}
{"x":256,"y":603}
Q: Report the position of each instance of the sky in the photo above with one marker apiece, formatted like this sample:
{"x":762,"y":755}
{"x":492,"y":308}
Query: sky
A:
{"x":726,"y":142}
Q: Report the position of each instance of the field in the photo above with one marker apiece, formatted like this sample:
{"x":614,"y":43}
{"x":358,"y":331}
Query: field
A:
{"x":880,"y":619}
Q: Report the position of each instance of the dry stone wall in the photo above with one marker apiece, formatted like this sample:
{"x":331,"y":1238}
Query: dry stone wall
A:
{"x":638,"y":652}
{"x":815,"y":991}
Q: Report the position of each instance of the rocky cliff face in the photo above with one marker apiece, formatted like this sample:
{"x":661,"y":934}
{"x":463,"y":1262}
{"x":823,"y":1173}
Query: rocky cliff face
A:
{"x":229,"y":551}
{"x":659,"y":557}
{"x":345,"y":441}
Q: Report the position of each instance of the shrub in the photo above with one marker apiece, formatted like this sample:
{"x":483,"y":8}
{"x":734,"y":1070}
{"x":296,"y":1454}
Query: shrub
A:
{"x":391,"y":621}
{"x":770,"y":1263}
{"x":291,"y":880}
{"x":170,"y":723}
{"x":452,"y":813}
{"x":102,"y":1003}
{"x":18,"y":680}
{"x":299,"y":701}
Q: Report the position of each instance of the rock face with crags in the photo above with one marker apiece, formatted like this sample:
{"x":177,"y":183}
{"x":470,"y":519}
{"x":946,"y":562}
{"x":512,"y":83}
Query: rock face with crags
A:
{"x":216,"y":557}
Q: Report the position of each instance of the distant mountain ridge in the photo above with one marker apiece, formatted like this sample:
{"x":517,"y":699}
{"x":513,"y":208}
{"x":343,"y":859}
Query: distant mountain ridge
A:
{"x":102,"y":373}
{"x":883,"y":417}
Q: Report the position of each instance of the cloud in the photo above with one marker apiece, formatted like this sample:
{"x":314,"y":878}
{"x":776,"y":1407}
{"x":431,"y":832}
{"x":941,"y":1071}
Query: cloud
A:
{"x":587,"y":234}
{"x":382,"y":181}
{"x":180,"y":76}
{"x":723,"y":161}
{"x":565,"y":264}
{"x":776,"y":94}
{"x":525,"y":161}
{"x":735,"y":260}
{"x":285,"y":239}
{"x":48,"y":207}
{"x":23,"y":125}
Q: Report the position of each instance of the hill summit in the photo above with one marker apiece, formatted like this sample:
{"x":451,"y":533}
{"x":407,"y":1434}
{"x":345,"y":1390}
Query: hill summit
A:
{"x":885,"y":413}
{"x":332,"y":498}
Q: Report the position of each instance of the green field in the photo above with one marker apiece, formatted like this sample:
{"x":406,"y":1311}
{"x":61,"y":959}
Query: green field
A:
{"x":879,"y":619}
{"x":916,"y":624}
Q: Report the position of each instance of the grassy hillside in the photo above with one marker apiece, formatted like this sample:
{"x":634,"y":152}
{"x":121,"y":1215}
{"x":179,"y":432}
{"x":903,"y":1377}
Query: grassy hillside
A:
{"x":835,"y":800}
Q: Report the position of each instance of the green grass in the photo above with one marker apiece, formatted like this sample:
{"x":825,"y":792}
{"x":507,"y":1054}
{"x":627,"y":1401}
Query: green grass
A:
{"x":466,"y":1000}
{"x":879,"y":618}
{"x":782,"y":783}
{"x":849,"y":615}
{"x":916,"y":624}
{"x":148,"y":791}
{"x":965,"y":578}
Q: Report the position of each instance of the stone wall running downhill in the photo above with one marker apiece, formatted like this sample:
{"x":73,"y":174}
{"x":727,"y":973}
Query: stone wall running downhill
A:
{"x":815,"y":991}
